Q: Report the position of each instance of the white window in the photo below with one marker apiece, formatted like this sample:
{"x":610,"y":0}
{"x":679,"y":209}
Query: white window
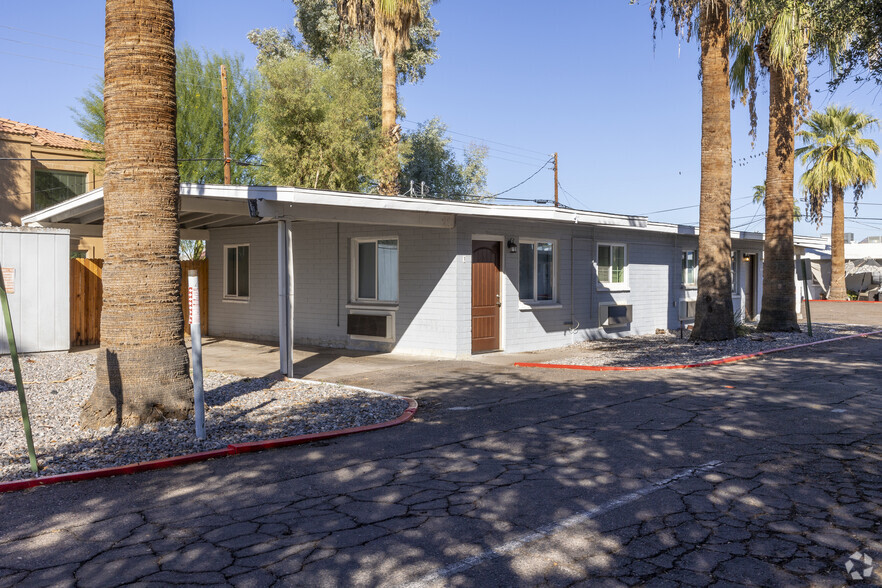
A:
{"x":689,"y":267}
{"x":612,"y":265}
{"x":236,"y":272}
{"x":536,"y":270}
{"x":375,"y":269}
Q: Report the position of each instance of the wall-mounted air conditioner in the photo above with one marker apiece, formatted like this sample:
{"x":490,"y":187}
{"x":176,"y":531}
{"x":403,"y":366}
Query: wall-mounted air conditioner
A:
{"x":614,"y":315}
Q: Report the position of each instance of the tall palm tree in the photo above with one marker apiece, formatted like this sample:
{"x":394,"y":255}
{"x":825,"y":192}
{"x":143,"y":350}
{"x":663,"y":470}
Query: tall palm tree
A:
{"x":836,"y":152}
{"x":777,"y":37}
{"x":759,"y":197}
{"x":714,"y":316}
{"x":389,"y":23}
{"x":142,"y":366}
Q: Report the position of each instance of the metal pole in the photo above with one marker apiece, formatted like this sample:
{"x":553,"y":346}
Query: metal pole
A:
{"x":806,"y":268}
{"x":196,"y":340}
{"x":13,"y":352}
{"x":555,"y":180}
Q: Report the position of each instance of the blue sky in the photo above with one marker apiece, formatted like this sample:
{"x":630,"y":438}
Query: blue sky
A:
{"x":580,"y":78}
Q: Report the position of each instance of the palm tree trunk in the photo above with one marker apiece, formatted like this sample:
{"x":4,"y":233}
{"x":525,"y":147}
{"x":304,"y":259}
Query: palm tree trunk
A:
{"x":837,"y":245}
{"x":389,"y":167}
{"x":142,"y":367}
{"x":714,"y":318}
{"x":778,"y":311}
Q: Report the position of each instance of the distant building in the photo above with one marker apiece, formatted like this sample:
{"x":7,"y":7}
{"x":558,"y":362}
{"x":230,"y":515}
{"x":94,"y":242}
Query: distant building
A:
{"x":849,"y":237}
{"x":872,"y":239}
{"x":40,"y":168}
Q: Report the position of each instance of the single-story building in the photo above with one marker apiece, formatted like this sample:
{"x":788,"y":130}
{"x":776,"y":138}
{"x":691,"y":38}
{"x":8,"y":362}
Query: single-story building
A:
{"x":432,"y":277}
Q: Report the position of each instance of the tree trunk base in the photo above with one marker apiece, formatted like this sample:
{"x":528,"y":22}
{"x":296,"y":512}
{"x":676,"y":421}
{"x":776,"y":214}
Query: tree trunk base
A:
{"x":138,"y":386}
{"x":713,"y":320}
{"x":769,"y":324}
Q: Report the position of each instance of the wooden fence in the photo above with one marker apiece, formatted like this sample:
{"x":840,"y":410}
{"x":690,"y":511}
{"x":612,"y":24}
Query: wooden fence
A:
{"x":86,"y":292}
{"x":85,"y":301}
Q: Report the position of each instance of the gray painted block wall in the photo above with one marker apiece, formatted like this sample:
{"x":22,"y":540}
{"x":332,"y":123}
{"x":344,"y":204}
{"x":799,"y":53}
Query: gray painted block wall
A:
{"x":40,"y":303}
{"x":426,"y":287}
{"x":433,"y":316}
{"x":256,"y":319}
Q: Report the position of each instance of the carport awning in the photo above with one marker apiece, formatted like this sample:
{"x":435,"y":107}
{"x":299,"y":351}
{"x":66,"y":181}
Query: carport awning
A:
{"x":205,"y":206}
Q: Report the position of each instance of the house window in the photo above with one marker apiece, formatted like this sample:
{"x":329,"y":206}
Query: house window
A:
{"x":611,"y":265}
{"x":689,"y":267}
{"x":52,"y":187}
{"x":376,"y":269}
{"x":536,"y":268}
{"x":236,"y":272}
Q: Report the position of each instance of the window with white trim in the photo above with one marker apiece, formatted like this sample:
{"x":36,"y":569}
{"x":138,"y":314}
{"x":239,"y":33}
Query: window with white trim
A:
{"x":690,"y":267}
{"x":537,"y":280}
{"x":612,"y":265}
{"x":237,"y":272}
{"x":375,"y":270}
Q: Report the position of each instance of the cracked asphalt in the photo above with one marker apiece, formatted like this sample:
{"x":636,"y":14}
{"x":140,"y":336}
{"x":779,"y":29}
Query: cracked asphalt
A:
{"x":496,"y":455}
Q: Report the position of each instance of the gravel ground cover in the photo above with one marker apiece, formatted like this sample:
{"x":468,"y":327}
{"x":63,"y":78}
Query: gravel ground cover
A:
{"x":669,"y":349}
{"x":237,"y":410}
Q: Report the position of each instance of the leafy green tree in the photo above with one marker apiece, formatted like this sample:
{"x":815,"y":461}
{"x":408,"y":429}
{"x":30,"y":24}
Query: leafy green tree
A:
{"x":837,"y":155}
{"x":861,"y":21}
{"x":319,"y":122}
{"x":321,"y":32}
{"x":428,"y":160}
{"x":199,"y":116}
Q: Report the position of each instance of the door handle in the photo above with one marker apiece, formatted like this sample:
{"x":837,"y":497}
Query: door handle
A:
{"x":498,"y":301}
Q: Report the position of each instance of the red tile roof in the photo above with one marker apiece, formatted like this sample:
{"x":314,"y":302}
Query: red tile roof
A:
{"x":41,"y":136}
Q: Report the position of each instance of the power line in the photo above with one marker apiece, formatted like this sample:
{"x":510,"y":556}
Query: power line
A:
{"x":526,"y":180}
{"x":486,"y":140}
{"x":51,"y":36}
{"x":92,"y":55}
{"x":50,"y":60}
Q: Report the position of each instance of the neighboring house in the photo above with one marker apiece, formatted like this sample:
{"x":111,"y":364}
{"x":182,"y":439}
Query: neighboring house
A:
{"x":40,"y":168}
{"x":432,"y":277}
{"x":870,"y":248}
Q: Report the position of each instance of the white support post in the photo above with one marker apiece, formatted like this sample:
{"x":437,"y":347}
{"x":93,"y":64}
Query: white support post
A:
{"x":289,"y":246}
{"x":284,"y":343}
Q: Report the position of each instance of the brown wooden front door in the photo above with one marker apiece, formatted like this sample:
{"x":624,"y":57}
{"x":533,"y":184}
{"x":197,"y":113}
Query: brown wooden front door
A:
{"x":485,"y":296}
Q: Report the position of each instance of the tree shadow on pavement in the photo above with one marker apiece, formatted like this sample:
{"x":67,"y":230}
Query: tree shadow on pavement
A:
{"x":494,"y":456}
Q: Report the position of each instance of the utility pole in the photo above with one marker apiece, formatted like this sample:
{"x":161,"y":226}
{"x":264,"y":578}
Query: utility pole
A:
{"x":555,"y":179}
{"x":225,"y":106}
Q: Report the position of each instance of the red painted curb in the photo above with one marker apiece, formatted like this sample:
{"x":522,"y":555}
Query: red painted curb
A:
{"x":864,"y":301}
{"x":611,"y":368}
{"x":228,"y":451}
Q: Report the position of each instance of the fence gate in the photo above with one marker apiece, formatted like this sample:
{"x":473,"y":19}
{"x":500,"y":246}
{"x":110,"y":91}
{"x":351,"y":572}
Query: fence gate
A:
{"x":85,"y":301}
{"x":86,"y":292}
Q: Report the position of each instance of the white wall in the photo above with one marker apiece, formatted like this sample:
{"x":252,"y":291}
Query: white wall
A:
{"x":40,"y":301}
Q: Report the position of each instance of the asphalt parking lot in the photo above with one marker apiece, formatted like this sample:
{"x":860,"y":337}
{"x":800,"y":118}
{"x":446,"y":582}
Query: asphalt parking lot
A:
{"x":765,"y":472}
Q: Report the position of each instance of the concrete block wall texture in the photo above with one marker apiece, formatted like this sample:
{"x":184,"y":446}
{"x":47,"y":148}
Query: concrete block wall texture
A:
{"x":433,"y":314}
{"x":323,"y":291}
{"x":257,"y":318}
{"x":40,"y":301}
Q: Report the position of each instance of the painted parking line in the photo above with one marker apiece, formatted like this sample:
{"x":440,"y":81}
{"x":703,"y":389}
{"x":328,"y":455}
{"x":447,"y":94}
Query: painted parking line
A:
{"x":551,"y":528}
